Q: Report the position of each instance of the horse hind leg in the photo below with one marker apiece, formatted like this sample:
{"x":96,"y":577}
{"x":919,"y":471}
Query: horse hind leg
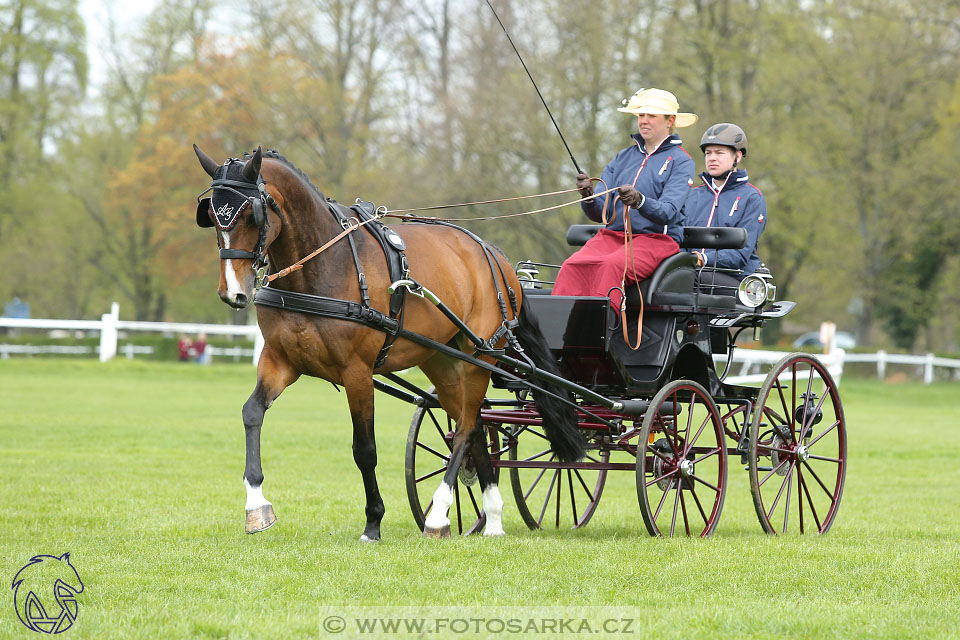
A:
{"x":473,"y":387}
{"x":272,"y":379}
{"x":492,"y":501}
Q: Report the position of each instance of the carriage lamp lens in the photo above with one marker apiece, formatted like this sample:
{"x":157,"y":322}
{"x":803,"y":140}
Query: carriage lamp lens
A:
{"x":752,"y":291}
{"x":693,"y":328}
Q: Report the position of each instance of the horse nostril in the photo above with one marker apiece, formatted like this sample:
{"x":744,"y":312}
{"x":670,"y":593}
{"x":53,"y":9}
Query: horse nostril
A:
{"x":241,"y":300}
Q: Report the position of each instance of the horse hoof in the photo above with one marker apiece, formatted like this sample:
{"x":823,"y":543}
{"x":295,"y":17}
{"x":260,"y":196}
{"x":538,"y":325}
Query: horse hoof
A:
{"x":260,"y":519}
{"x":442,"y":532}
{"x":364,"y":538}
{"x":494,"y":534}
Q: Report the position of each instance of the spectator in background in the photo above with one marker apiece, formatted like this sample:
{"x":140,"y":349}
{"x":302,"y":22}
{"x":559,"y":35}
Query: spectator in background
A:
{"x":184,"y":347}
{"x":200,"y":348}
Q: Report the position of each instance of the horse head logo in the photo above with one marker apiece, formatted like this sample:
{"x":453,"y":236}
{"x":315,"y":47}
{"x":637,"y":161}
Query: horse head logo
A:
{"x":45,"y":593}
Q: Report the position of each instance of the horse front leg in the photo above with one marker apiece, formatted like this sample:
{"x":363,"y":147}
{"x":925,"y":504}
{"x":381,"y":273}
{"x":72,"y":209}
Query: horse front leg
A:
{"x":360,"y":400}
{"x":272,"y":378}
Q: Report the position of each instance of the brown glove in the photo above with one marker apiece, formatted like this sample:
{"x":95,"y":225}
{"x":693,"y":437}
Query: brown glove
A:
{"x":629,"y":196}
{"x":584,"y":185}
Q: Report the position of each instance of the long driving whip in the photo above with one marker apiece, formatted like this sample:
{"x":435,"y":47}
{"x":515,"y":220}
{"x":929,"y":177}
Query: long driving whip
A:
{"x":552,"y":119}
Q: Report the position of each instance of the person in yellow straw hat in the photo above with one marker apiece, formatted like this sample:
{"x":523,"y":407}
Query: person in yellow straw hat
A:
{"x":654,"y":176}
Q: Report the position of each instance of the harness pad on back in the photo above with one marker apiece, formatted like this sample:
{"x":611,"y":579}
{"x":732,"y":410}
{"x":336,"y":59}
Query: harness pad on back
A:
{"x":393,"y":250}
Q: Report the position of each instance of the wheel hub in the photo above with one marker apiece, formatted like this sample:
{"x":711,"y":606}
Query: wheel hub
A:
{"x":803,"y":452}
{"x":660,"y":467}
{"x":468,"y":473}
{"x":686,"y":468}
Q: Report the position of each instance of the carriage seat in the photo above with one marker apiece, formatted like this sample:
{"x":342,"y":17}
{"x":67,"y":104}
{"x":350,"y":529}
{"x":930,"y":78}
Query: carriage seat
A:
{"x":673,"y":282}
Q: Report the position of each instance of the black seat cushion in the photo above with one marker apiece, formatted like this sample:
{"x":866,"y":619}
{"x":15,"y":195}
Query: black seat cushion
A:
{"x":714,"y":238}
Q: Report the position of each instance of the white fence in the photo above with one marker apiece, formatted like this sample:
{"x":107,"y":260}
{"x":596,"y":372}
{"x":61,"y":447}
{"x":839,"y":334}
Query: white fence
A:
{"x":926,"y":363}
{"x":110,"y":325}
{"x":749,"y":365}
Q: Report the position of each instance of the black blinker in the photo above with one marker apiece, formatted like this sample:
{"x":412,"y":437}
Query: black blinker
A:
{"x":258,"y":213}
{"x":203,"y":213}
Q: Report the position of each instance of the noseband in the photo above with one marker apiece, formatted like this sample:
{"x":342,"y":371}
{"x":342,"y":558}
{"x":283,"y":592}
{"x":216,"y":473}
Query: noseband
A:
{"x":225,"y":222}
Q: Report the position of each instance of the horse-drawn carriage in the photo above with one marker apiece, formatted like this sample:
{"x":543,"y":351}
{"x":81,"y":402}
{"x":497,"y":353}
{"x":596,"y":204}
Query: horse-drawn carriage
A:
{"x":581,"y":389}
{"x":680,"y":426}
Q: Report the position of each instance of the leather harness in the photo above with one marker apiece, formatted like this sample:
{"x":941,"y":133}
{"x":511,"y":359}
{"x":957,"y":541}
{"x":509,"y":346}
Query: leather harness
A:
{"x":360,"y":214}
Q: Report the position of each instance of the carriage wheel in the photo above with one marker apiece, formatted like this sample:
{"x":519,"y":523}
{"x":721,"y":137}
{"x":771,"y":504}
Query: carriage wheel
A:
{"x":553,"y":496}
{"x":798,"y":447}
{"x":682,"y":467}
{"x":428,"y":449}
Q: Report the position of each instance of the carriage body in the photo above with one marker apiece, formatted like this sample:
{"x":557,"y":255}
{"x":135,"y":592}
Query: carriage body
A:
{"x":690,"y":425}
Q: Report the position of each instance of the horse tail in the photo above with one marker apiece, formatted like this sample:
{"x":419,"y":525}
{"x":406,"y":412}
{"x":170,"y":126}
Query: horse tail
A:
{"x":559,"y":418}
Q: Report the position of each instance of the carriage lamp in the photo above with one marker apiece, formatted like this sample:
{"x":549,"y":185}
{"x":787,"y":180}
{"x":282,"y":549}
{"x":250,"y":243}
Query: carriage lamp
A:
{"x":752,"y":291}
{"x":527,"y":274}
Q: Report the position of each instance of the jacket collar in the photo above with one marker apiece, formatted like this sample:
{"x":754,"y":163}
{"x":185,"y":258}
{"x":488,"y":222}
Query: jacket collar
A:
{"x":737,"y":177}
{"x":670,"y":142}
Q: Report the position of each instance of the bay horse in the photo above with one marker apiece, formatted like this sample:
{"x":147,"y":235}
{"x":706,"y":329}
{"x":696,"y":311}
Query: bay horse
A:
{"x":263,"y":209}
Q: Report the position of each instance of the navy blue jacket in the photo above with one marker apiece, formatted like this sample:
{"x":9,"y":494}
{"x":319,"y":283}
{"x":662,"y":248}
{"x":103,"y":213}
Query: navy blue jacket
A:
{"x":665,"y":181}
{"x":737,"y":204}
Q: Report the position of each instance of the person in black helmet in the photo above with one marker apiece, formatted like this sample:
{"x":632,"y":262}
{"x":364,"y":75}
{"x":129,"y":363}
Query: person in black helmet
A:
{"x":726,"y":199}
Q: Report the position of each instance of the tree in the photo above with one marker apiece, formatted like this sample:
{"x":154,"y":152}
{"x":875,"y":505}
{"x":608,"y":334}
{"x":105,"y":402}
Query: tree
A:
{"x":42,"y":80}
{"x":129,"y":203}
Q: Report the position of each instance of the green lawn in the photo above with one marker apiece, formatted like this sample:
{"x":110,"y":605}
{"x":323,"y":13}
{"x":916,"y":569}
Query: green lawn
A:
{"x":135,"y":469}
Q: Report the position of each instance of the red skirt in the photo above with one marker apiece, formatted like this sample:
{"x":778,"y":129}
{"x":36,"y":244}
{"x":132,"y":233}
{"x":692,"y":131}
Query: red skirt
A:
{"x":598,"y":266}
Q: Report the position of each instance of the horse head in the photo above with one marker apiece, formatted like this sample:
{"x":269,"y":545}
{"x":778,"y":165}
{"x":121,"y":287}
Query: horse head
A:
{"x":246,"y":219}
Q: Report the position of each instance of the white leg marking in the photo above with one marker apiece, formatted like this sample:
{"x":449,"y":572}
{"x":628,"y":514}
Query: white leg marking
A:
{"x":230,"y":274}
{"x":493,"y":508}
{"x":442,"y":499}
{"x":255,"y":498}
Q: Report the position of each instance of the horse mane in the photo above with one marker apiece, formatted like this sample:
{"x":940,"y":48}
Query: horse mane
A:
{"x":276,"y":155}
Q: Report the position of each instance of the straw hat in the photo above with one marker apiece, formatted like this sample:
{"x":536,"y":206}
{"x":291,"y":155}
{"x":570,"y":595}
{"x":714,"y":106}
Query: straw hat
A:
{"x":658,"y":101}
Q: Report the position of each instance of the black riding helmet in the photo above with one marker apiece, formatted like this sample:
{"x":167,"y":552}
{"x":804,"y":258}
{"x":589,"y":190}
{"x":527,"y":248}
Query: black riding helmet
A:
{"x":726,"y":134}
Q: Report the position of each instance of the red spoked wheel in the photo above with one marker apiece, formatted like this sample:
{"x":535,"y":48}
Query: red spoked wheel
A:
{"x":428,"y":450}
{"x":798,"y":448}
{"x":681,"y":462}
{"x":550,"y":493}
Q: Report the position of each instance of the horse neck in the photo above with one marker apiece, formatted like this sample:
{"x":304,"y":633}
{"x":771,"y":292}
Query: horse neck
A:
{"x":307,"y":224}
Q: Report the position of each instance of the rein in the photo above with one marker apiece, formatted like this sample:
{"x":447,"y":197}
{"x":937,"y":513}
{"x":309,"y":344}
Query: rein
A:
{"x":296,"y":266}
{"x":400,"y":213}
{"x":265,"y":199}
{"x":397,"y":213}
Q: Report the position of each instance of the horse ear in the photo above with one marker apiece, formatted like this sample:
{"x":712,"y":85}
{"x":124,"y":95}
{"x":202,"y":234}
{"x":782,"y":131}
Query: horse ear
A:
{"x":252,"y":168}
{"x":206,"y":161}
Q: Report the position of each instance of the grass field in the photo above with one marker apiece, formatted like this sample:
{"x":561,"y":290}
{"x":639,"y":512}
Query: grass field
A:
{"x":135,"y":469}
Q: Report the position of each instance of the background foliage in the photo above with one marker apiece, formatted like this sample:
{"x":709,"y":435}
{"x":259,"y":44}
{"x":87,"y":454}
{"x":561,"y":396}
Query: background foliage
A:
{"x":852,"y":108}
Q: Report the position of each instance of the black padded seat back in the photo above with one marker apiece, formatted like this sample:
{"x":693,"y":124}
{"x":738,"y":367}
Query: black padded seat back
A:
{"x":712,"y":238}
{"x":693,"y":237}
{"x":673,"y":285}
{"x":578,"y":234}
{"x":676,"y":275}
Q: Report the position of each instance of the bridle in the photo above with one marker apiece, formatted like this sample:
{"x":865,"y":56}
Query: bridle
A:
{"x":258,"y":203}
